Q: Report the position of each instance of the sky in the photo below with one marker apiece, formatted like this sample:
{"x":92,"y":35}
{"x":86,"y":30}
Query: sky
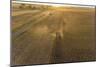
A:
{"x":85,"y":2}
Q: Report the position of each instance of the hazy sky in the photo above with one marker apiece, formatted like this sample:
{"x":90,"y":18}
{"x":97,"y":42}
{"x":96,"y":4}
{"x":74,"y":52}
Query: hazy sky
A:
{"x":87,"y":2}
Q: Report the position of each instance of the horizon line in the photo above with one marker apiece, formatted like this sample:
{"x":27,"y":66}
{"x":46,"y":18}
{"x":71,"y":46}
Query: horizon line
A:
{"x":56,"y":3}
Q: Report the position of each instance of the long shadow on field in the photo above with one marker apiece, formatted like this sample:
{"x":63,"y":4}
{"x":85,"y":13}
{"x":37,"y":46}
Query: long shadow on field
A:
{"x":57,"y":49}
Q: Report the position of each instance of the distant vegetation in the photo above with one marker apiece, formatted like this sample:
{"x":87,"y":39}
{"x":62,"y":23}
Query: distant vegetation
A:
{"x":30,"y":6}
{"x":23,"y":6}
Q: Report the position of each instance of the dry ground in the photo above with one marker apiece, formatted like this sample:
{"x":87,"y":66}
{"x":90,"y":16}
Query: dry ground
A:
{"x":53,"y":36}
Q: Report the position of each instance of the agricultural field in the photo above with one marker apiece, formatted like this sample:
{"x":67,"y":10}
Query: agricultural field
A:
{"x":43,"y":34}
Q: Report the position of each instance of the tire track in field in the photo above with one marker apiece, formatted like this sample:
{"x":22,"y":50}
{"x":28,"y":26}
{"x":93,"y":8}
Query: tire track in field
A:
{"x":36,"y":22}
{"x":30,"y":23}
{"x":28,"y":49}
{"x":16,"y":18}
{"x":47,"y":42}
{"x":22,"y":19}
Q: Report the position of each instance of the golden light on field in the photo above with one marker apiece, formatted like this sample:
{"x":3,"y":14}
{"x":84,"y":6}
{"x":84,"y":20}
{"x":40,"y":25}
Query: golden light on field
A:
{"x":52,"y":33}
